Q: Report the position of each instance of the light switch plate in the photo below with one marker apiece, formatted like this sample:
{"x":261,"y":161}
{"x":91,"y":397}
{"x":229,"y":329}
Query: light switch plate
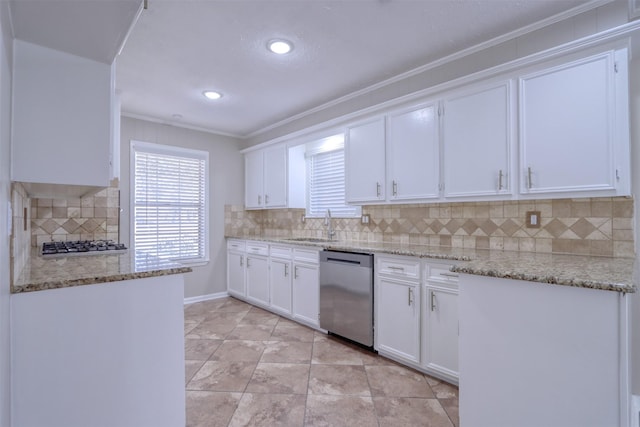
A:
{"x":533,"y":219}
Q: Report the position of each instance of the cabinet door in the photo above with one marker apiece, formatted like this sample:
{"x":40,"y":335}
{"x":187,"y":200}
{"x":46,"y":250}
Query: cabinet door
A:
{"x":306,"y":293}
{"x":253,"y":179}
{"x":235,"y":274}
{"x":477,"y":139}
{"x":365,"y":162}
{"x":275,"y":177}
{"x":398,"y":322}
{"x":567,"y":117}
{"x":413,"y":154}
{"x":258,"y":280}
{"x":441,"y":331}
{"x":280,"y":284}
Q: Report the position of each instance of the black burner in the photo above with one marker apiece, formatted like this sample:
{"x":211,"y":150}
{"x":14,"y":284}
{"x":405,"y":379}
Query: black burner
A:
{"x":80,"y":247}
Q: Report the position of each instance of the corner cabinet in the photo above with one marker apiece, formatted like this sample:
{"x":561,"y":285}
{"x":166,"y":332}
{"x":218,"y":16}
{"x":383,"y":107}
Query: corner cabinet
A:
{"x":365,"y":162}
{"x":266,"y":178}
{"x":64,"y":109}
{"x":574,"y":128}
{"x":477,"y":142}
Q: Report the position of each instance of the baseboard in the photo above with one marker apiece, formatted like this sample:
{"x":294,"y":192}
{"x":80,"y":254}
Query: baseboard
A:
{"x":207,"y":297}
{"x":635,"y":410}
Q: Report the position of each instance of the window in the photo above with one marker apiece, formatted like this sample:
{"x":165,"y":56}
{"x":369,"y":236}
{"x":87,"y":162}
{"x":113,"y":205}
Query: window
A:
{"x":169,"y":202}
{"x":325,"y":179}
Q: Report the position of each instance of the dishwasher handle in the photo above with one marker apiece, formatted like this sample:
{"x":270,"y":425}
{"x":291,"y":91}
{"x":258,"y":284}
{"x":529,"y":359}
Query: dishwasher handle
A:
{"x":343,"y":261}
{"x":353,"y":259}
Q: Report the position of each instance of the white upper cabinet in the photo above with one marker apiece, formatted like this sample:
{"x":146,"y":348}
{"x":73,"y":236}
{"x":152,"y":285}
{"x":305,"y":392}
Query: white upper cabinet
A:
{"x":275,"y":177}
{"x":63,"y":108}
{"x":266,"y":178}
{"x":413,"y":154}
{"x":365,"y":162}
{"x":476,"y":142}
{"x":574,"y":132}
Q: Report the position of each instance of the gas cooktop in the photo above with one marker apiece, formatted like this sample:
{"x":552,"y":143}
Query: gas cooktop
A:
{"x":82,"y":247}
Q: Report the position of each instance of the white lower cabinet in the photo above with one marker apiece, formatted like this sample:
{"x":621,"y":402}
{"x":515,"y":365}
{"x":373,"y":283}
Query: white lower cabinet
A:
{"x":280,"y":284}
{"x":236,"y":274}
{"x":236,"y":260}
{"x":398,"y":319}
{"x":416,"y":319}
{"x":440,"y":333}
{"x":306,"y":293}
{"x":258,"y":280}
{"x":281,"y":278}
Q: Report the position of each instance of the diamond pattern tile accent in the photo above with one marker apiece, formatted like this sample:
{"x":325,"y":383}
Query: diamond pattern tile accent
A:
{"x":509,"y":227}
{"x":70,"y":226}
{"x":470,"y":226}
{"x":50,"y":226}
{"x":583,"y":228}
{"x":556,"y":227}
{"x":488,"y":226}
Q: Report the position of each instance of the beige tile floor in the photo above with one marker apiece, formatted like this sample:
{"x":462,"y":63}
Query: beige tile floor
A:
{"x":248,"y":367}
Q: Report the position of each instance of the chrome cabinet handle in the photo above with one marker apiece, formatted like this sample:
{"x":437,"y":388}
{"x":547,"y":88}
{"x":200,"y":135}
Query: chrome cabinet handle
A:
{"x":529,"y":183}
{"x":449,"y":275}
{"x":286,"y":270}
{"x":391,"y":267}
{"x":410,"y":295}
{"x":241,"y":261}
{"x":295,"y":272}
{"x":266,"y":199}
{"x":500,"y":176}
{"x":378,"y":189}
{"x":248,"y":264}
{"x":259,"y":199}
{"x":433,"y":301}
{"x":395,"y":187}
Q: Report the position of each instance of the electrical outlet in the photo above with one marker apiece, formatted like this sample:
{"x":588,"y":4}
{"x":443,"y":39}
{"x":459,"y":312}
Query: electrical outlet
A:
{"x":364,"y":219}
{"x":303,"y":219}
{"x":533,"y":219}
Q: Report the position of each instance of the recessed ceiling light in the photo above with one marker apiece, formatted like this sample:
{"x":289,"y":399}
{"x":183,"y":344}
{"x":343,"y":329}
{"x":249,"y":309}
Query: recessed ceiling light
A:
{"x":212,"y":94}
{"x":280,"y":46}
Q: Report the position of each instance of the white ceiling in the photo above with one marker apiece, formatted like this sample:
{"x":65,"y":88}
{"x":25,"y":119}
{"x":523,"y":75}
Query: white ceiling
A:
{"x":179,"y":48}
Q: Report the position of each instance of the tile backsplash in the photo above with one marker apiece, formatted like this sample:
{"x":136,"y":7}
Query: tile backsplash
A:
{"x":590,"y":226}
{"x":20,"y":239}
{"x":94,"y":217}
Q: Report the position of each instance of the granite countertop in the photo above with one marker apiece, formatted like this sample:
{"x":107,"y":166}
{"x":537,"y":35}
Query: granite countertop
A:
{"x":604,"y":273}
{"x":42,"y":273}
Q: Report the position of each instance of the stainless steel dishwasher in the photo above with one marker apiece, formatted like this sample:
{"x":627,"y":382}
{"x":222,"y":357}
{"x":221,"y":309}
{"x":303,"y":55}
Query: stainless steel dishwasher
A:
{"x":346,"y":295}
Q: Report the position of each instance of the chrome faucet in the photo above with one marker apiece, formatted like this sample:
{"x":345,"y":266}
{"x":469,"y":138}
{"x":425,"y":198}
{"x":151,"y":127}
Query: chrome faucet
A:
{"x":327,"y":222}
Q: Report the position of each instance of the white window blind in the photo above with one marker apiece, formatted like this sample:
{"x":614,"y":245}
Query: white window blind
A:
{"x":170,"y":202}
{"x":326,"y":185}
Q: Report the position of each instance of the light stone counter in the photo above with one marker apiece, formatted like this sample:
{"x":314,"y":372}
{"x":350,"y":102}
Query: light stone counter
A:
{"x":42,"y":273}
{"x":604,"y":273}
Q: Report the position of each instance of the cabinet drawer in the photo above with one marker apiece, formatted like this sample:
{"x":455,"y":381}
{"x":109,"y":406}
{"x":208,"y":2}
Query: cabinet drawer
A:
{"x":408,"y":269}
{"x":256,"y":248}
{"x":236,"y":245}
{"x":441,"y":273}
{"x":280,"y":252}
{"x":305,"y":255}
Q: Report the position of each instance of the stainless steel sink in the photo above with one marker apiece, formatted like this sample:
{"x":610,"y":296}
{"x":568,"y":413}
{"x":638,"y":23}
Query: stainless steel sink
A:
{"x":309,"y":239}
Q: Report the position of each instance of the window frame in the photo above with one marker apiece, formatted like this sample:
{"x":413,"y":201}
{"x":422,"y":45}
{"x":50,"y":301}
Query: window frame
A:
{"x":314,"y":148}
{"x":177,"y":151}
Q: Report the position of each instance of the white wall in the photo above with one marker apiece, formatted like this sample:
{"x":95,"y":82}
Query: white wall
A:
{"x":6,"y":40}
{"x":226,"y":182}
{"x":634,"y":100}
